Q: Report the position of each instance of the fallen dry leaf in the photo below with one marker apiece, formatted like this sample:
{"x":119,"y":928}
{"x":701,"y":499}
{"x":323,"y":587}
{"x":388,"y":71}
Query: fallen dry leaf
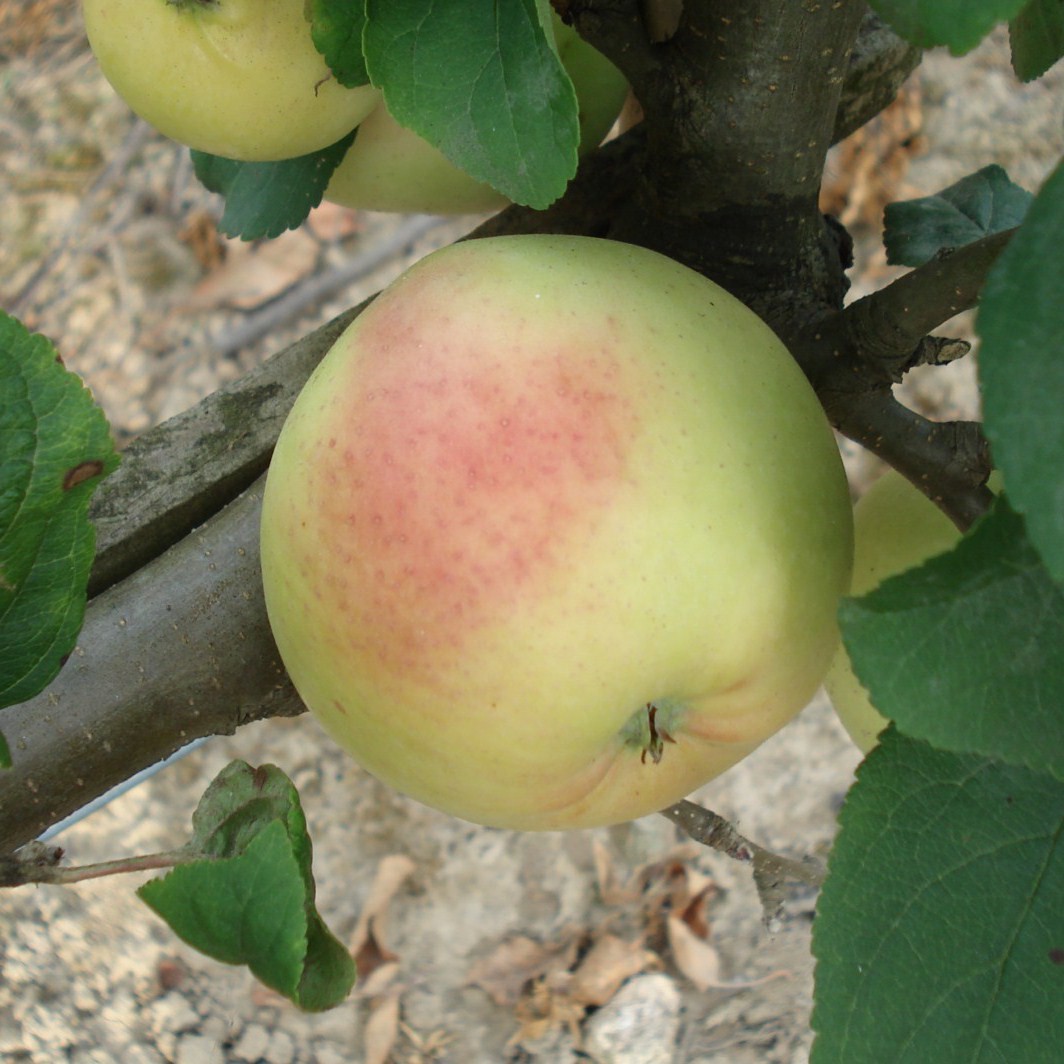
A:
{"x":382,"y":1028}
{"x":367,"y":941}
{"x":507,"y":970}
{"x":606,"y":966}
{"x":330,"y":222}
{"x":255,"y":273}
{"x":424,"y":1048}
{"x":379,"y":980}
{"x":372,"y":954}
{"x":200,"y":233}
{"x":611,"y":890}
{"x":699,"y":961}
{"x":544,"y":1009}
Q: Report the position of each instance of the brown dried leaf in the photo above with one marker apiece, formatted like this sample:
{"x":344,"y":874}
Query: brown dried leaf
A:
{"x":699,"y":961}
{"x":255,"y":273}
{"x":611,"y":890}
{"x":609,"y":962}
{"x":382,"y":1029}
{"x":200,"y":233}
{"x":504,"y":973}
{"x":379,"y":980}
{"x":367,"y":942}
{"x":372,"y":954}
{"x":330,"y":222}
{"x":544,"y":1009}
{"x":694,"y":956}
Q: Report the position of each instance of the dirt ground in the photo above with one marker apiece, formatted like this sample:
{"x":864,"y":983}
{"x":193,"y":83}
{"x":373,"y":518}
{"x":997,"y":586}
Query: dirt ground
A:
{"x":624,"y":945}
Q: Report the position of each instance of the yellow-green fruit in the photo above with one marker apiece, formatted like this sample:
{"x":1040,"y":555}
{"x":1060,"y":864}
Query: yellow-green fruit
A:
{"x":390,"y":168}
{"x":555,"y":533}
{"x":236,"y":78}
{"x":896,"y":527}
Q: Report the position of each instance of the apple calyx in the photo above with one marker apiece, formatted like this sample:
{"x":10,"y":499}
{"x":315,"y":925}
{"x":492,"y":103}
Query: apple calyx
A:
{"x":183,"y":5}
{"x":651,"y":726}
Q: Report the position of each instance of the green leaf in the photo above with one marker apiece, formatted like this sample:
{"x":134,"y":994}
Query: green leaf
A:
{"x":978,"y":205}
{"x":1021,"y":370}
{"x":55,"y":448}
{"x":939,"y":934}
{"x":251,"y":899}
{"x":1037,"y":38}
{"x":966,"y":650}
{"x":958,"y":24}
{"x":336,"y":29}
{"x":262,"y":200}
{"x":483,"y":84}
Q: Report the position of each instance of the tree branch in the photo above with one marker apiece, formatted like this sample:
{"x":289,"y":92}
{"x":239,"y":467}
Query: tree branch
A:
{"x":852,"y":358}
{"x":180,"y":473}
{"x":883,"y":332}
{"x":180,"y":650}
{"x":771,"y":870}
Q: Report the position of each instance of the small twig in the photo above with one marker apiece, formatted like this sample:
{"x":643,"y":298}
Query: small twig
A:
{"x":877,"y":335}
{"x":38,"y":863}
{"x":938,"y":351}
{"x":853,"y":357}
{"x":771,"y":870}
{"x":948,"y":461}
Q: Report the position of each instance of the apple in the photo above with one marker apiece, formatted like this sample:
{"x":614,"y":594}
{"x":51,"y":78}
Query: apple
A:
{"x":236,"y":78}
{"x":896,"y":527}
{"x":555,"y":533}
{"x":390,"y":168}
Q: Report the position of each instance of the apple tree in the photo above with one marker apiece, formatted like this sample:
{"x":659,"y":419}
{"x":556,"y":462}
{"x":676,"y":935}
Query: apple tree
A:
{"x":132,"y":617}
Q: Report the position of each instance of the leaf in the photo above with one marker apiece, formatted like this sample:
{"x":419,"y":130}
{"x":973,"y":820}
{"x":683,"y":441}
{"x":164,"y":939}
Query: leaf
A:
{"x":257,"y":273}
{"x":1021,"y":321}
{"x":978,"y":205}
{"x":251,"y":899}
{"x":958,"y":24}
{"x":482,"y":83}
{"x":966,"y":650}
{"x":265,"y":199}
{"x":609,"y":962}
{"x":367,"y":940}
{"x":381,"y":1030}
{"x":516,"y":962}
{"x":336,"y":29}
{"x":939,"y":933}
{"x":1037,"y":38}
{"x":55,"y":448}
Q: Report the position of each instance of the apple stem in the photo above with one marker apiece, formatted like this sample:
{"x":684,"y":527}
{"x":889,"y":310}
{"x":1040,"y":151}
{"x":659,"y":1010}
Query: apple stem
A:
{"x":771,"y":870}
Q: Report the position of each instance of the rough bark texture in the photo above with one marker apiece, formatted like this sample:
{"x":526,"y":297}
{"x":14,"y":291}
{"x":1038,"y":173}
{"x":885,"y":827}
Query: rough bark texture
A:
{"x":179,"y":650}
{"x":740,"y":106}
{"x":176,"y":476}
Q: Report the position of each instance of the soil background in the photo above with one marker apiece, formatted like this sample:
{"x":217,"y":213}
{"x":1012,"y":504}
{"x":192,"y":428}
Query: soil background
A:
{"x":624,"y":945}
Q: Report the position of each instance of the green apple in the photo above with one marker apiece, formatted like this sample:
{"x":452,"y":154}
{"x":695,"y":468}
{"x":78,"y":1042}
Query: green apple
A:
{"x":555,"y":533}
{"x":236,"y":78}
{"x":390,"y":168}
{"x":896,"y":527}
